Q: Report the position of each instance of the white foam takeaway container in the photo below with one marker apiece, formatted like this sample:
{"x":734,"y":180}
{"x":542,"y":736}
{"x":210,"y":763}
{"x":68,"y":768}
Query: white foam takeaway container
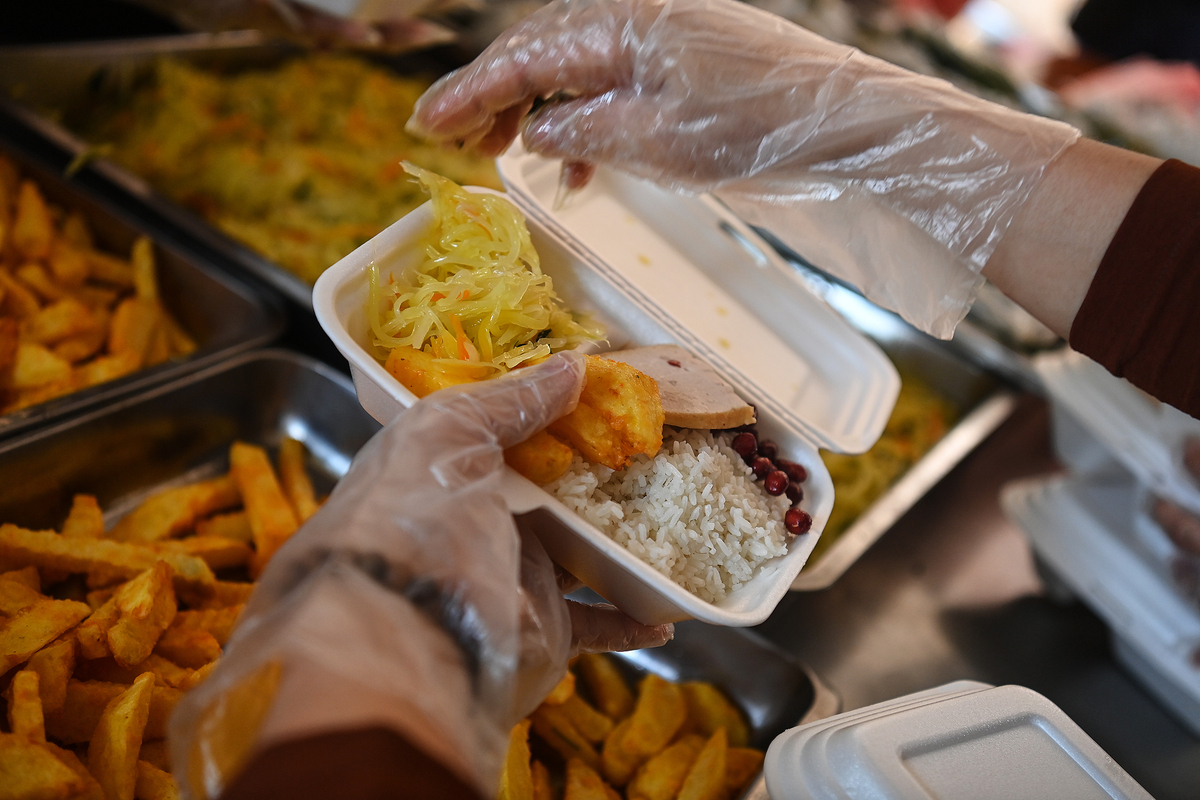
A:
{"x":658,"y":268}
{"x":961,"y":740}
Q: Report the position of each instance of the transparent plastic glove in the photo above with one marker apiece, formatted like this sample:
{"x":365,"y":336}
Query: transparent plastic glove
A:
{"x":306,"y":22}
{"x":409,"y":600}
{"x":896,"y":182}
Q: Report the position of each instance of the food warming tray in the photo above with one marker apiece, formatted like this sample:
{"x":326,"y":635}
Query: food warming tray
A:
{"x":180,"y":432}
{"x":43,"y":81}
{"x":224,"y":316}
{"x":815,"y":381}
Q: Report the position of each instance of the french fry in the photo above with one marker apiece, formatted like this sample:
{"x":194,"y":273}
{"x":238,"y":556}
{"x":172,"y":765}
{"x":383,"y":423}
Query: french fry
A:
{"x":584,"y":783}
{"x":154,"y":783}
{"x":516,"y":778}
{"x":35,"y":277}
{"x":294,"y":477}
{"x":557,"y":730}
{"x":618,"y":762}
{"x":86,"y":520}
{"x":85,"y":701}
{"x":660,"y":711}
{"x":141,"y":259}
{"x":57,"y":321}
{"x":590,"y":723}
{"x":197,"y":676}
{"x":92,"y":633}
{"x":271,"y":517}
{"x":68,"y":266}
{"x":174,"y":511}
{"x":26,"y":576}
{"x":75,"y":232}
{"x":37,"y":366}
{"x":217,"y":621}
{"x":31,"y":769}
{"x":234,"y":526}
{"x":147,"y":607}
{"x":562,"y":690}
{"x":216,"y":551}
{"x":542,"y":787}
{"x":188,"y":647}
{"x":25,"y":706}
{"x":100,"y":557}
{"x":225,"y":594}
{"x":18,"y":300}
{"x":92,"y":789}
{"x":54,"y":664}
{"x":706,"y":779}
{"x":165,"y":672}
{"x":16,"y":595}
{"x":742,"y":765}
{"x":662,"y":776}
{"x":9,"y":342}
{"x":709,"y":710}
{"x":107,"y":368}
{"x":114,"y":746}
{"x":619,"y":415}
{"x":32,"y":231}
{"x":132,"y":327}
{"x":32,"y":629}
{"x":82,"y":346}
{"x":109,"y":269}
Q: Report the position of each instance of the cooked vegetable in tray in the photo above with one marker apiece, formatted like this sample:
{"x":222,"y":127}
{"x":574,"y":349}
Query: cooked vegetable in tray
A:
{"x":919,"y":420}
{"x":301,"y":162}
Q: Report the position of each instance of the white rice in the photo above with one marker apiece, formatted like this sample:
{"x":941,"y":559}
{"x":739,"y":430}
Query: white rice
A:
{"x":693,"y":512}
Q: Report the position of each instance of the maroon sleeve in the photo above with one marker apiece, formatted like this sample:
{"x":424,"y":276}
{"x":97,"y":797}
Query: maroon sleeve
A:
{"x":1141,"y":315}
{"x":368,"y":764}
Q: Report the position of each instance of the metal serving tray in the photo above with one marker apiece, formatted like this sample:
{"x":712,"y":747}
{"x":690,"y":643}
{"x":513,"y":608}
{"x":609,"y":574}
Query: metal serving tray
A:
{"x":181,"y":432}
{"x":981,"y":401}
{"x":41,"y":80}
{"x":224,"y":316}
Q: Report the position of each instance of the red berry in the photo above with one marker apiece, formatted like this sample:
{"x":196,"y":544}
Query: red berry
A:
{"x":768,"y":449}
{"x":794,"y":493}
{"x":745,"y":444}
{"x":796,"y":472}
{"x":797,"y":521}
{"x":776,"y":482}
{"x":762,"y":467}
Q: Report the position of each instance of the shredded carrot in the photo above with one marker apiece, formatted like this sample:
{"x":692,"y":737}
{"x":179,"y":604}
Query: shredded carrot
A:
{"x":433,"y":298}
{"x":465,"y":294}
{"x":463,"y":353}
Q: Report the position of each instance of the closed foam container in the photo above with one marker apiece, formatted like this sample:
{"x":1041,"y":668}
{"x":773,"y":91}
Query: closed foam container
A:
{"x":964,"y":739}
{"x":1094,"y":534}
{"x":657,"y":268}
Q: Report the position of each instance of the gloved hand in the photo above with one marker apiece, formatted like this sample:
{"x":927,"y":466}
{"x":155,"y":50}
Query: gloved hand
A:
{"x":299,"y":21}
{"x":409,"y":600}
{"x":896,"y":182}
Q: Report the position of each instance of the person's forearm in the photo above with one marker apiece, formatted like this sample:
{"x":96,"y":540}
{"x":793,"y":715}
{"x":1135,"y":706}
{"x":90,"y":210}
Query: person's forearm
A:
{"x":1048,"y":256}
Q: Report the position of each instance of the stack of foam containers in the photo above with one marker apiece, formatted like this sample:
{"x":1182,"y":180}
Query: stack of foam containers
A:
{"x":1092,"y":527}
{"x":961,"y":740}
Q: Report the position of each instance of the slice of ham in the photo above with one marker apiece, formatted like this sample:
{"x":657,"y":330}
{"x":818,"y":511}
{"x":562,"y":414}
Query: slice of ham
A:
{"x":693,"y":394}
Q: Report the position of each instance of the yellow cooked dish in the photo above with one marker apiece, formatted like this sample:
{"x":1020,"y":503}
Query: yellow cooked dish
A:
{"x":301,"y":163}
{"x":918,"y":422}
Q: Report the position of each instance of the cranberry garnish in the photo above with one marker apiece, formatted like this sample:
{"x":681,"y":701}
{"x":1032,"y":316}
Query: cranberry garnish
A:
{"x":796,"y":472}
{"x":776,"y":482}
{"x":797,"y":521}
{"x":673,"y":362}
{"x":794,"y":493}
{"x":768,"y":449}
{"x":745,"y":444}
{"x":762,"y":467}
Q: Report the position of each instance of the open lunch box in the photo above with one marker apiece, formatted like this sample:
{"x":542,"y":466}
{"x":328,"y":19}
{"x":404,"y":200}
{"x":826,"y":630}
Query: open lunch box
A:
{"x":657,"y":268}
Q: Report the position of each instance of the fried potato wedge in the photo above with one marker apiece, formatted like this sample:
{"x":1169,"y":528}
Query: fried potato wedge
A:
{"x":54,"y":664}
{"x":271,"y":517}
{"x":294,"y":477}
{"x":559,"y":732}
{"x":25,"y":706}
{"x":423,"y":373}
{"x":742,"y":765}
{"x":541,"y":458}
{"x":31,"y":769}
{"x":154,"y":783}
{"x":662,"y":776}
{"x":85,"y":701}
{"x":607,"y":686}
{"x":146,"y":608}
{"x":86,"y":520}
{"x":584,"y":783}
{"x":175,"y":511}
{"x":32,"y":629}
{"x":516,"y":778}
{"x":709,"y":709}
{"x":706,"y":779}
{"x":117,"y":739}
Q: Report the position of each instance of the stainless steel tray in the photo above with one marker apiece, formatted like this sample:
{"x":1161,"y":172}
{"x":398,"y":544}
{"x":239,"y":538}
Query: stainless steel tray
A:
{"x":224,"y":316}
{"x":36,"y":79}
{"x":181,"y":431}
{"x":981,"y":400}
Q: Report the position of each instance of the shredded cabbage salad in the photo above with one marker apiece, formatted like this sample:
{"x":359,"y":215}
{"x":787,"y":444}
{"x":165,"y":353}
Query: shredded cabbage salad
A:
{"x":479,"y":295}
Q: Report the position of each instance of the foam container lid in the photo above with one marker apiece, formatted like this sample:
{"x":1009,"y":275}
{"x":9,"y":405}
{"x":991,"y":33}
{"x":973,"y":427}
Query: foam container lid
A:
{"x":1092,"y":531}
{"x":815,"y":380}
{"x":964,"y":739}
{"x":1144,"y":434}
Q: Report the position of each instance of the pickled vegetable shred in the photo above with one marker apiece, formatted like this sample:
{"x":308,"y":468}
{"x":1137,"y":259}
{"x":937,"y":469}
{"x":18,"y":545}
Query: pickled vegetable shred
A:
{"x":479,"y":294}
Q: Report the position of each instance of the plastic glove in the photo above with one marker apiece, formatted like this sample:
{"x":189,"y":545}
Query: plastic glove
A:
{"x":898,"y":183}
{"x":409,"y":601}
{"x":301,"y":22}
